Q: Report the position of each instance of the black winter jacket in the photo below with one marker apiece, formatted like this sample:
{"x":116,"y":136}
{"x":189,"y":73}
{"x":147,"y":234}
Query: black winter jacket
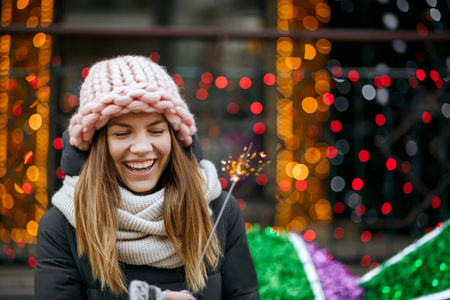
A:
{"x":61,"y":274}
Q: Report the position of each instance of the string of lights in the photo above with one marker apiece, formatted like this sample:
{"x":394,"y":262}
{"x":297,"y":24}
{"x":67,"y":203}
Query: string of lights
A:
{"x":24,"y":123}
{"x":303,"y":106}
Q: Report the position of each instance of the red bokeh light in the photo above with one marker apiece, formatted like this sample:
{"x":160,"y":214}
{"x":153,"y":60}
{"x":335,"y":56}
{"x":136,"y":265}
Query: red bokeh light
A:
{"x":428,"y":230}
{"x":269,"y":79}
{"x":436,"y":202}
{"x":178,"y":80}
{"x":298,"y":75}
{"x":60,"y":174}
{"x":259,"y":128}
{"x":336,"y":126}
{"x":406,"y":166}
{"x":233,"y":108}
{"x":241,"y":203}
{"x":256,"y":108}
{"x":386,"y":208}
{"x":339,"y":207}
{"x":207,"y":77}
{"x":336,"y":71}
{"x":374,"y":265}
{"x":407,"y":187}
{"x":245,"y":83}
{"x":214,"y":131}
{"x":365,"y":260}
{"x":338,"y":233}
{"x":17,"y":110}
{"x":85,"y":72}
{"x":380,"y":119}
{"x":72,"y":100}
{"x":201,"y":94}
{"x":331,"y":152}
{"x":386,"y":80}
{"x":363,"y":155}
{"x":439,"y":83}
{"x":328,"y":98}
{"x":223,"y":183}
{"x":366,"y":236}
{"x":391,"y":164}
{"x":248,"y":227}
{"x":154,"y":56}
{"x":434,"y":75}
{"x":309,"y":235}
{"x":426,"y":117}
{"x":221,"y":82}
{"x":57,"y":143}
{"x":262,"y":179}
{"x":20,"y":242}
{"x":360,"y":210}
{"x":357,"y":184}
{"x":32,"y":262}
{"x":284,"y":185}
{"x":10,"y":84}
{"x":27,"y":157}
{"x":353,"y":75}
{"x":413,"y":83}
{"x":378,"y":82}
{"x":420,"y":74}
{"x":422,"y":29}
{"x":26,"y":188}
{"x":301,"y":185}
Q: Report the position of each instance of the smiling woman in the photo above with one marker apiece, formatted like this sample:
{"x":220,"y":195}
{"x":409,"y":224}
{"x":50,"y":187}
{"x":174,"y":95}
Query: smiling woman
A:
{"x":139,"y":145}
{"x":143,"y":206}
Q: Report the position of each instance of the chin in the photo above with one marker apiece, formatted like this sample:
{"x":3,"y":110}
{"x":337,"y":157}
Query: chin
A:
{"x":143,"y":191}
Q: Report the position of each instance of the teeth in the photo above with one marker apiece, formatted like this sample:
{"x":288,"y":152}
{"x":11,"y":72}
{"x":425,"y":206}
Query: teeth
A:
{"x":140,"y":164}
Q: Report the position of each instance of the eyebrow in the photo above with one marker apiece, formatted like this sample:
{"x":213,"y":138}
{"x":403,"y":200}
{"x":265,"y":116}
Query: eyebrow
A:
{"x":128,"y":125}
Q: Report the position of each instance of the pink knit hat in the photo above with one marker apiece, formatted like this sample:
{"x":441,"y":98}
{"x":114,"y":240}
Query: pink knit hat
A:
{"x":127,"y":84}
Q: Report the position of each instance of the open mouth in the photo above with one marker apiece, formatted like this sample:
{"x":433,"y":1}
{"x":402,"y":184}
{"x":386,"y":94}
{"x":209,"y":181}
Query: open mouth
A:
{"x":139,"y":166}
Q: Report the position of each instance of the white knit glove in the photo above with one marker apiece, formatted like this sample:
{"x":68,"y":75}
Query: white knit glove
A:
{"x":141,"y":290}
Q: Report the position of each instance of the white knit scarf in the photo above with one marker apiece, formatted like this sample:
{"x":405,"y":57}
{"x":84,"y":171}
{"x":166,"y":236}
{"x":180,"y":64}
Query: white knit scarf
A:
{"x":141,"y":239}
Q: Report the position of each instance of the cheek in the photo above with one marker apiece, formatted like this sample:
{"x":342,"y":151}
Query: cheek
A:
{"x":167,"y":147}
{"x":114,"y":150}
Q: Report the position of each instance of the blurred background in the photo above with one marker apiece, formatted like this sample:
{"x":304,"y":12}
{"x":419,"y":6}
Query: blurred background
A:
{"x":349,"y":99}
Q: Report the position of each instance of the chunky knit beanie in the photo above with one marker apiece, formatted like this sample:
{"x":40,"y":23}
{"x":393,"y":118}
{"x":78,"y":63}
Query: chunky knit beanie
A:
{"x":127,"y":84}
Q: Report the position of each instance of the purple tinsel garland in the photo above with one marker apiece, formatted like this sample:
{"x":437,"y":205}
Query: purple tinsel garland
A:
{"x":337,"y":282}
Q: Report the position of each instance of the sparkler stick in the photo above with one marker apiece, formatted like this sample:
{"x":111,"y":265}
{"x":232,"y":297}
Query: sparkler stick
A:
{"x":235,"y":168}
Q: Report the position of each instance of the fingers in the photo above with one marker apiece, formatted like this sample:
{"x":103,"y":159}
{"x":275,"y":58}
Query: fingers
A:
{"x":179,"y":296}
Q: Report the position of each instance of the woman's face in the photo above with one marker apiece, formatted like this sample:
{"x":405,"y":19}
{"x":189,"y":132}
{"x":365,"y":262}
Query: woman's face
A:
{"x":139,"y":144}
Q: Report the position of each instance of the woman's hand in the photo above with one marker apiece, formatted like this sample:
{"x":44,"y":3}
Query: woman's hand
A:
{"x":179,"y":296}
{"x":142,"y":290}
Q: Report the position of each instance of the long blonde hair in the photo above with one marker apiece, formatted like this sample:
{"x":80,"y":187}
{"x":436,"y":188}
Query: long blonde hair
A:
{"x":185,"y":213}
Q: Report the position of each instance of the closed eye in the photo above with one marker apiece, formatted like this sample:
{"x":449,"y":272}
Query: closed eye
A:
{"x":156,"y":131}
{"x":119,"y":134}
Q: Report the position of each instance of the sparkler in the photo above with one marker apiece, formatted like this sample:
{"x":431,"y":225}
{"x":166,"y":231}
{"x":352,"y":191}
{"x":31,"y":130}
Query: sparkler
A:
{"x":243,"y":166}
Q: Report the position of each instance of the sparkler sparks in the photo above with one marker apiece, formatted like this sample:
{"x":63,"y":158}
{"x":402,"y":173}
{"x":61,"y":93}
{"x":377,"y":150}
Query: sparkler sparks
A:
{"x":244,"y":165}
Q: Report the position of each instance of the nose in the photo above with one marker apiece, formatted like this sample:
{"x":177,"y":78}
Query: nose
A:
{"x":141,"y":144}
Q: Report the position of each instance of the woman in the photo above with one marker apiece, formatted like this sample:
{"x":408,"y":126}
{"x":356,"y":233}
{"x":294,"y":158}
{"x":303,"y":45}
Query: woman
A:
{"x":142,"y":206}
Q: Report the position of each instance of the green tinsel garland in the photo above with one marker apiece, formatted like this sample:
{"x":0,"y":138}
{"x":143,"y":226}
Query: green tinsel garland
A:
{"x":424,"y":271}
{"x":278,"y":267}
